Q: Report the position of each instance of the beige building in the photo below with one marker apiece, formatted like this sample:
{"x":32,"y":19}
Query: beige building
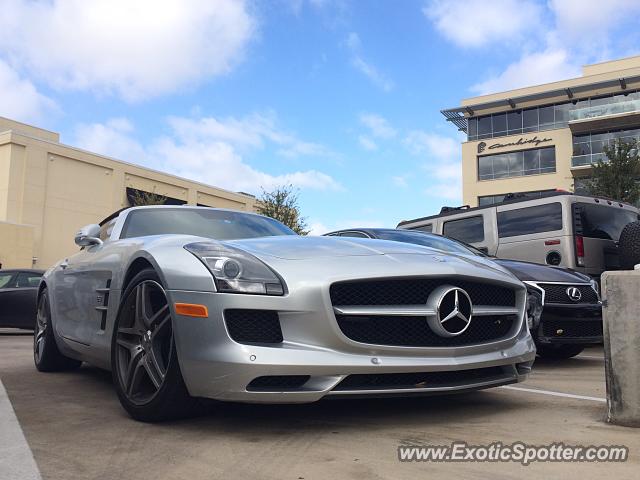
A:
{"x":48,"y":190}
{"x":546,"y":137}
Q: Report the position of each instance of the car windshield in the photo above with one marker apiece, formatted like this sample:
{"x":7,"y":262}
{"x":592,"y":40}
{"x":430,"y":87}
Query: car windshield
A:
{"x":202,"y":222}
{"x":429,"y":240}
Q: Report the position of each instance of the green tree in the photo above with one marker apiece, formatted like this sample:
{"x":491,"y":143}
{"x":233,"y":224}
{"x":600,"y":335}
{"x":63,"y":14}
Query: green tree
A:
{"x":140,"y":199}
{"x":618,"y":177}
{"x":282,"y":204}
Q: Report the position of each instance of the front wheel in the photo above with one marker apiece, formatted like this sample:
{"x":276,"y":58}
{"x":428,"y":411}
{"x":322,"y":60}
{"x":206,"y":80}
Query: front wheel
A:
{"x":46,"y":355}
{"x":144,"y":361}
{"x":559,"y":352}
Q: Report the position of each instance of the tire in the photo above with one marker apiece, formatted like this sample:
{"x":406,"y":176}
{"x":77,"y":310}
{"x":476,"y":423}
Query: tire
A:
{"x":629,"y":245}
{"x":559,"y":352}
{"x":46,"y":355}
{"x":144,"y":362}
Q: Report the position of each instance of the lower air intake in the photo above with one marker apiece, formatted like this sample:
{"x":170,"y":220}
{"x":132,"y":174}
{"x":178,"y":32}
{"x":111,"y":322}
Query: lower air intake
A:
{"x":253,"y":326}
{"x":397,"y":381}
{"x":276,"y":383}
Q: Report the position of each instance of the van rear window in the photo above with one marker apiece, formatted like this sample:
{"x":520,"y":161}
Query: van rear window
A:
{"x":528,"y":220}
{"x":601,"y":221}
{"x":467,"y":230}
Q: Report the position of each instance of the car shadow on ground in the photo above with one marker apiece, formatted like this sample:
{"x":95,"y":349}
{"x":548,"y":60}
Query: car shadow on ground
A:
{"x":15,"y":332}
{"x":249,"y":419}
{"x":572,"y":363}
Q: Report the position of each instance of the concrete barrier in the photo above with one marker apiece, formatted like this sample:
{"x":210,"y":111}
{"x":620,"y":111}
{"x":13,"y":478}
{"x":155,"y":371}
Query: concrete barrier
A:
{"x":621,"y":315}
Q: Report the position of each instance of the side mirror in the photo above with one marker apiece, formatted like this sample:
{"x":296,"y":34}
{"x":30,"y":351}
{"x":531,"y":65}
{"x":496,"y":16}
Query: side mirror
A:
{"x":88,"y":235}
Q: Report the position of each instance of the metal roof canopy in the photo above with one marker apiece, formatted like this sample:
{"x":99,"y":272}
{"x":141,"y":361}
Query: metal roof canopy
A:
{"x":457,"y":117}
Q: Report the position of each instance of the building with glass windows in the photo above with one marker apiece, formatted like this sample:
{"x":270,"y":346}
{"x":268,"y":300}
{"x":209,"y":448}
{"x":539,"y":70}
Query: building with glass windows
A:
{"x":546,"y":137}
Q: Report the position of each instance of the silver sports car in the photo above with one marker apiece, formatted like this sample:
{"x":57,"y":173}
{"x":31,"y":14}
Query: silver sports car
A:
{"x":187,"y":302}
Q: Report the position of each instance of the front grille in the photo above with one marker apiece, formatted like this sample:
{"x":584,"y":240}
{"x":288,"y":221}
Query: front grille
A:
{"x":413,"y":331}
{"x":271,"y":383}
{"x":557,"y":293}
{"x":392,"y":381}
{"x":415,"y":292}
{"x":572,"y":329}
{"x":253,"y":326}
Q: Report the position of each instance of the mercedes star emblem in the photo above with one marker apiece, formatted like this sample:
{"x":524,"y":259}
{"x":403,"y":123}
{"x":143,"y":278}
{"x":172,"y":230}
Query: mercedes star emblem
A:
{"x":453,"y":311}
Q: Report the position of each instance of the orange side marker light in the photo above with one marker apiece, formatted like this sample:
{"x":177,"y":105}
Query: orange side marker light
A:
{"x":191,"y":310}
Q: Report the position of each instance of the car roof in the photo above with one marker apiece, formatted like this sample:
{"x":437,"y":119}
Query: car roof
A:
{"x":375,"y":230}
{"x":185,"y":206}
{"x":548,"y":195}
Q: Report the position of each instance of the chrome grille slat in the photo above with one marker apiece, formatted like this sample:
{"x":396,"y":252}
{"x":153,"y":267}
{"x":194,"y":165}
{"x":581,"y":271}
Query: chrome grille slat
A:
{"x":413,"y":310}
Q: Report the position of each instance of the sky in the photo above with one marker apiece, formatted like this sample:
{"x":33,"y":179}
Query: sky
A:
{"x":339,"y":98}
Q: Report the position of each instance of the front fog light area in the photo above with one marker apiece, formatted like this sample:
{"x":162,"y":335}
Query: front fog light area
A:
{"x":235,"y":271}
{"x":534,"y":308}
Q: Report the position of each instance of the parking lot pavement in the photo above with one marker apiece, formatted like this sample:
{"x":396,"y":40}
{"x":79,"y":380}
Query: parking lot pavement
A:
{"x":76,"y":429}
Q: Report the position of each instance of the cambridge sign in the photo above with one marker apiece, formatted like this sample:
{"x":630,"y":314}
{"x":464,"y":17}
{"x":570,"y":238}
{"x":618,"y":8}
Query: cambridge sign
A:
{"x":482,"y":146}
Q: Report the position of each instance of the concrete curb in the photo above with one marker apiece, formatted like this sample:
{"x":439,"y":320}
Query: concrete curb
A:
{"x":16,"y":459}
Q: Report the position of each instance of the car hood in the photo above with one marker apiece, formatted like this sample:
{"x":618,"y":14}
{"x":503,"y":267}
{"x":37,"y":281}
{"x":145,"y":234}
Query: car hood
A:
{"x":307,"y":248}
{"x":535,"y":272}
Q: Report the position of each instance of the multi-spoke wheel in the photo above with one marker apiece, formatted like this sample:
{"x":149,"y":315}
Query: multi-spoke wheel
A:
{"x":46,"y":354}
{"x":144,"y":342}
{"x":144,"y":361}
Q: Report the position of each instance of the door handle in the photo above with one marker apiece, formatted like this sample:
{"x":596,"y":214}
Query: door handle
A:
{"x":64,"y":264}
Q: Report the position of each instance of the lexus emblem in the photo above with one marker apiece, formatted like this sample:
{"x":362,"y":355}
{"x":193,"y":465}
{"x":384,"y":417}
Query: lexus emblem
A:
{"x":453,"y":311}
{"x":574,"y":294}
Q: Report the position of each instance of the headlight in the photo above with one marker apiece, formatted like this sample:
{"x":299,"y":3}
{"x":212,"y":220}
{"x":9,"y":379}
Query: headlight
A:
{"x":235,"y":271}
{"x":534,"y":307}
{"x":596,"y":287}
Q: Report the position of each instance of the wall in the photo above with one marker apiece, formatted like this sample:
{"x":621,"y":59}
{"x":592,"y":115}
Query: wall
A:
{"x":16,"y":245}
{"x":55,"y":189}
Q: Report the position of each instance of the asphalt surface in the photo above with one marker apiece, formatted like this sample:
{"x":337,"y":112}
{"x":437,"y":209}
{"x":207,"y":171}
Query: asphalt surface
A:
{"x":76,"y":429}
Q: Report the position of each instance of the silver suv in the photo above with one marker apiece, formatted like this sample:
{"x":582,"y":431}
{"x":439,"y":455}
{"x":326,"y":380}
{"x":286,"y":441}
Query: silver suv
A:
{"x":560,"y":228}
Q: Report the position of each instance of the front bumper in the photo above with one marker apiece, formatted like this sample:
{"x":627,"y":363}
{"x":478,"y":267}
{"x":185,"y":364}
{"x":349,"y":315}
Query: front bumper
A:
{"x":566,"y":323}
{"x":214,"y":366}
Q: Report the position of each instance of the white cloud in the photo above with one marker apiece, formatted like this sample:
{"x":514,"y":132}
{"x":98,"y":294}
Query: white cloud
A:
{"x":400,"y":181}
{"x":207,"y":149}
{"x":254,"y":131}
{"x":557,"y":36}
{"x":366,"y":143}
{"x":19,"y":98}
{"x":443,"y":148}
{"x":134,"y":48}
{"x":476,"y":23}
{"x":531,"y":69}
{"x":113,"y":138}
{"x":367,"y":69}
{"x":591,"y":21}
{"x":377,"y":125}
{"x":442,"y":163}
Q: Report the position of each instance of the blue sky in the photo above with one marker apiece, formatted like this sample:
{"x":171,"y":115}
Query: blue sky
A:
{"x":340,"y":98}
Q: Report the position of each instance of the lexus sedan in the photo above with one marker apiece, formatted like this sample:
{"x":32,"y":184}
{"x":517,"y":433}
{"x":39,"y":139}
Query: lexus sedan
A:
{"x":567,"y":312}
{"x":18,"y":290}
{"x":187,"y":302}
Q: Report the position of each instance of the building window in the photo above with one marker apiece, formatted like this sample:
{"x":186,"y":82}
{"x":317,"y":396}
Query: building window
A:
{"x":468,"y":230}
{"x":493,"y":199}
{"x":535,"y":119}
{"x":517,"y":164}
{"x":528,"y":220}
{"x":589,"y":148}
